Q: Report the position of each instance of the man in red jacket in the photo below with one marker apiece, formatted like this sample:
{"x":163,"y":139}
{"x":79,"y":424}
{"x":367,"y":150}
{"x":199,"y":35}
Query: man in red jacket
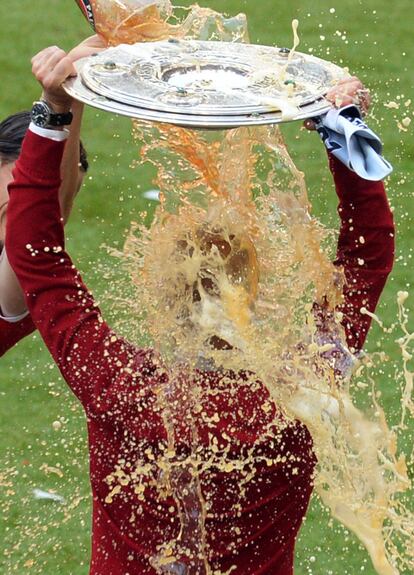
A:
{"x":253,"y":532}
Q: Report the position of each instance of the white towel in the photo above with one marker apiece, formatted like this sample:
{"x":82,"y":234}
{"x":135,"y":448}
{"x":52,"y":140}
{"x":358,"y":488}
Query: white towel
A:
{"x":350,"y":140}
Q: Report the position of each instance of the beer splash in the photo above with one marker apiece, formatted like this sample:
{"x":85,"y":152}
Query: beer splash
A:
{"x":130,"y":21}
{"x":272,"y":334}
{"x":228,"y":274}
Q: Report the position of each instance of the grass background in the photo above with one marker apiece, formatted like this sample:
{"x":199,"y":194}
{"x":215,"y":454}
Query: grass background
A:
{"x":373,"y":38}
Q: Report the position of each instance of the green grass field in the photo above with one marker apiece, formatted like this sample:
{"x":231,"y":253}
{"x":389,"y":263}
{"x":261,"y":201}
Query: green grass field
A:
{"x":374,"y":39}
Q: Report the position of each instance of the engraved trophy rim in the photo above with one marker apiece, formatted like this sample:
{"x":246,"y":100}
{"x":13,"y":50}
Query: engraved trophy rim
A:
{"x":205,"y":84}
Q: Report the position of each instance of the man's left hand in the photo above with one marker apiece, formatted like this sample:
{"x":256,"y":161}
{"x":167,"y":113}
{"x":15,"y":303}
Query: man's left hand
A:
{"x":52,"y":66}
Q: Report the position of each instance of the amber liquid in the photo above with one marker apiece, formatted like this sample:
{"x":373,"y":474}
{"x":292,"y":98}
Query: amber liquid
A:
{"x":121,"y":23}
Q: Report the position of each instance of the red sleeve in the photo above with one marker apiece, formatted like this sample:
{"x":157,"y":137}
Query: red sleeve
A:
{"x":365,"y":247}
{"x":87,"y":352}
{"x":11,"y":333}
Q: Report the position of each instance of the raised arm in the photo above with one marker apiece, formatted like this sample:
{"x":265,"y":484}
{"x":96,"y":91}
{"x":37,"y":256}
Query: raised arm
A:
{"x":12,"y":302}
{"x":11,"y":297}
{"x":366,"y":237}
{"x":365,"y":248}
{"x":88,"y":354}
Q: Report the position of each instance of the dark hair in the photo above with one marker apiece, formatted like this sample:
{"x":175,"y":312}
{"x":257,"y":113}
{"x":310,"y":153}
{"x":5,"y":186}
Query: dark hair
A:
{"x":83,"y":158}
{"x":12,"y":132}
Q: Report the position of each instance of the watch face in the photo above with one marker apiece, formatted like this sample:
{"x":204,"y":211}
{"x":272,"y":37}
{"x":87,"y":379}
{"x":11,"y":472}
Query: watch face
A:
{"x":40,"y":114}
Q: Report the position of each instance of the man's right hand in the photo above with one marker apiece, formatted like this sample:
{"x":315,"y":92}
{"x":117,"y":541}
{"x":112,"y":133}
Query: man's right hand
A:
{"x":348,"y":91}
{"x":52,"y":66}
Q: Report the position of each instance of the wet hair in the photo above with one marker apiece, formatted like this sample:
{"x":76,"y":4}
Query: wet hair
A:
{"x":12,"y":132}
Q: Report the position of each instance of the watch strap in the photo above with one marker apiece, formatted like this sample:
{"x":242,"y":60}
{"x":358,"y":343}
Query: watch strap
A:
{"x":57,"y":120}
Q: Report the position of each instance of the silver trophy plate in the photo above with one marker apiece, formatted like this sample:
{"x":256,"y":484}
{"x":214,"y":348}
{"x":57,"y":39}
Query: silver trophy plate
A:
{"x":205,"y":84}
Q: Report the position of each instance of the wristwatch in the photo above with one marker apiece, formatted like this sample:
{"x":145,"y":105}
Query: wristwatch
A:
{"x":44,"y":116}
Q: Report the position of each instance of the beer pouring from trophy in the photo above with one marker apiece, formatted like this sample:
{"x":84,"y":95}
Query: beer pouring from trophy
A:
{"x":204,"y":85}
{"x":127,"y":21}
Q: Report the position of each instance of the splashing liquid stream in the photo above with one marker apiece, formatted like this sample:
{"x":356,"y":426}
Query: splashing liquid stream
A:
{"x":228,"y":273}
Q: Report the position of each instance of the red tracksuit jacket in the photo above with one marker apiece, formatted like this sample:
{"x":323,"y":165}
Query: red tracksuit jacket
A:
{"x":255,"y":531}
{"x":12,"y":333}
